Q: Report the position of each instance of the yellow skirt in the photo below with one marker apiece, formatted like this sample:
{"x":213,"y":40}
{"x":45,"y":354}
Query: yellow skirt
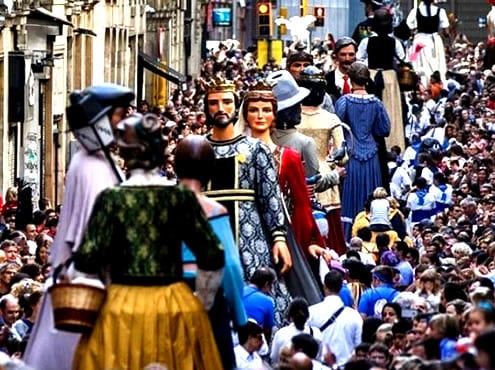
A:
{"x":139,"y":325}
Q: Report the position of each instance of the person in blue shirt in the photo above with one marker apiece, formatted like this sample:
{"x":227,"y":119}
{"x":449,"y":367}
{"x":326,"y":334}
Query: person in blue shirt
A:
{"x":405,"y":268}
{"x":346,"y":295}
{"x":381,"y":292}
{"x":257,"y":302}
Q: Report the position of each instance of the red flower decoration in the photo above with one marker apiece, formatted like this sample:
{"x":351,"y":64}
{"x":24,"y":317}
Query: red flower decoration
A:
{"x":491,"y":2}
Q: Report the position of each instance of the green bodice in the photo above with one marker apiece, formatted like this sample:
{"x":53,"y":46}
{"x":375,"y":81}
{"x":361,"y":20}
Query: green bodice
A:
{"x":136,"y":232}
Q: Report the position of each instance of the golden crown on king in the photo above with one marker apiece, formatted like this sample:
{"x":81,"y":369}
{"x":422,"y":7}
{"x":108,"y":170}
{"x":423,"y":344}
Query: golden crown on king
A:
{"x":220,"y":84}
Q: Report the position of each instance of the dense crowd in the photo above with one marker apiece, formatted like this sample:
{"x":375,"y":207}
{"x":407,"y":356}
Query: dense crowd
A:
{"x":411,"y":285}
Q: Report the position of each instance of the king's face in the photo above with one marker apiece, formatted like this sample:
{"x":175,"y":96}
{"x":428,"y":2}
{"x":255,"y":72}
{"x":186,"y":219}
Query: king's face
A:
{"x":221,"y":106}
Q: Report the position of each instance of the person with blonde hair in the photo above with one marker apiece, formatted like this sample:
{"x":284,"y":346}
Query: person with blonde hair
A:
{"x":461,"y":249}
{"x":379,"y":211}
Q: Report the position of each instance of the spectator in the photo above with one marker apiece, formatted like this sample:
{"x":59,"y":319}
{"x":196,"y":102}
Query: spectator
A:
{"x":28,"y":292}
{"x":391,"y":313}
{"x":297,"y":314}
{"x":250,"y":342}
{"x":308,"y":345}
{"x":9,"y":310}
{"x":259,"y":305}
{"x":484,"y":345}
{"x":379,"y":355}
{"x":341,"y":326}
{"x":382,"y":292}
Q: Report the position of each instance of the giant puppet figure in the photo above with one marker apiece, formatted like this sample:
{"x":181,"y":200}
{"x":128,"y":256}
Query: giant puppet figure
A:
{"x":257,"y":117}
{"x":134,"y":236}
{"x":427,"y":50}
{"x":96,"y":107}
{"x":245,"y":182}
{"x":327,"y":131}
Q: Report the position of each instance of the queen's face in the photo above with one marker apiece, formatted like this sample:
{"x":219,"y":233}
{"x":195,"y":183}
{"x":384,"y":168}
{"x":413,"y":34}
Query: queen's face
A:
{"x":260,"y":116}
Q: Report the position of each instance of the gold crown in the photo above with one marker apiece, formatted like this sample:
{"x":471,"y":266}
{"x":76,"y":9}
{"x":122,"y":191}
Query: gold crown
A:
{"x":260,"y":87}
{"x":220,"y":84}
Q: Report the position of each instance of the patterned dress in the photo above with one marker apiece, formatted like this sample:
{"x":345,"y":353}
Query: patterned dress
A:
{"x":134,"y":235}
{"x":366,"y":116}
{"x":245,"y":181}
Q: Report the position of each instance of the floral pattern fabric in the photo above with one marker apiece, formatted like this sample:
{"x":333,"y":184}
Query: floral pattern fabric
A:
{"x":254,"y":221}
{"x":137,"y":232}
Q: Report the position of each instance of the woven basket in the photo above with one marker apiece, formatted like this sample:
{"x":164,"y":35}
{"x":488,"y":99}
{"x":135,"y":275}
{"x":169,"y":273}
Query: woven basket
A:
{"x":76,"y":306}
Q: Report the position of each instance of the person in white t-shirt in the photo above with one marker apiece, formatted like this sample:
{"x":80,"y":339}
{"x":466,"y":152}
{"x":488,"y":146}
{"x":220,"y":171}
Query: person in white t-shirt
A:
{"x":420,"y":202}
{"x":250,"y":342}
{"x":298,"y":314}
{"x":441,"y":192}
{"x":342,"y":335}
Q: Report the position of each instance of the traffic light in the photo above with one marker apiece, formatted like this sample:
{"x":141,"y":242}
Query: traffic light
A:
{"x":319,"y":13}
{"x":264,"y":19}
{"x":283,"y":13}
{"x":303,"y":6}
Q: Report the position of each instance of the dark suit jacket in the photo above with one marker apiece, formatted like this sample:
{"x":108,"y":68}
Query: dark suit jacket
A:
{"x":335,"y":92}
{"x":331,"y":88}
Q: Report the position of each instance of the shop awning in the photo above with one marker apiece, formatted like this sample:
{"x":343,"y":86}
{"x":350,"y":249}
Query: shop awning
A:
{"x":46,"y":14}
{"x":160,"y":69}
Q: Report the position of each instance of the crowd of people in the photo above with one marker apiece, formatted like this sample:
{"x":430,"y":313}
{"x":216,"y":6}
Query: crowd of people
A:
{"x":325,"y":213}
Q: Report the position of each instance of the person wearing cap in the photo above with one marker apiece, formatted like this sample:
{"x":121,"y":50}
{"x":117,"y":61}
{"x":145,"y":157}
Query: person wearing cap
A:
{"x":369,"y":122}
{"x":365,"y":28}
{"x":382,"y":291}
{"x":338,"y":82}
{"x":428,"y":49}
{"x":150,"y":314}
{"x":296,"y":63}
{"x":104,"y":105}
{"x":381,"y":53}
{"x":324,"y":127}
{"x":244,"y":180}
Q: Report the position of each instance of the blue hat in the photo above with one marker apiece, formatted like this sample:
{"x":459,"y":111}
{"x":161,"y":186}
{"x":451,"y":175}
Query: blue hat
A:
{"x":286,"y":89}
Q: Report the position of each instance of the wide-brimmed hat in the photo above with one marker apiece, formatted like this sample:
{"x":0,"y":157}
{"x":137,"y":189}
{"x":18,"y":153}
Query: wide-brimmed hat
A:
{"x":374,"y":3}
{"x":285,"y":89}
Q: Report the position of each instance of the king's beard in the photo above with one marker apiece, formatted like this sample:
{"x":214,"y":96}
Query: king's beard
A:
{"x":222,"y":120}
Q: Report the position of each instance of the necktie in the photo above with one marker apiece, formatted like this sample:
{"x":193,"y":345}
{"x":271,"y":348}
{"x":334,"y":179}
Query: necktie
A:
{"x":346,"y":89}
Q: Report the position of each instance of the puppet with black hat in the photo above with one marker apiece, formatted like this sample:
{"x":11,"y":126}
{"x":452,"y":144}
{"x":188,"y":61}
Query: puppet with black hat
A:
{"x":365,"y":28}
{"x":91,"y":115}
{"x":382,"y":52}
